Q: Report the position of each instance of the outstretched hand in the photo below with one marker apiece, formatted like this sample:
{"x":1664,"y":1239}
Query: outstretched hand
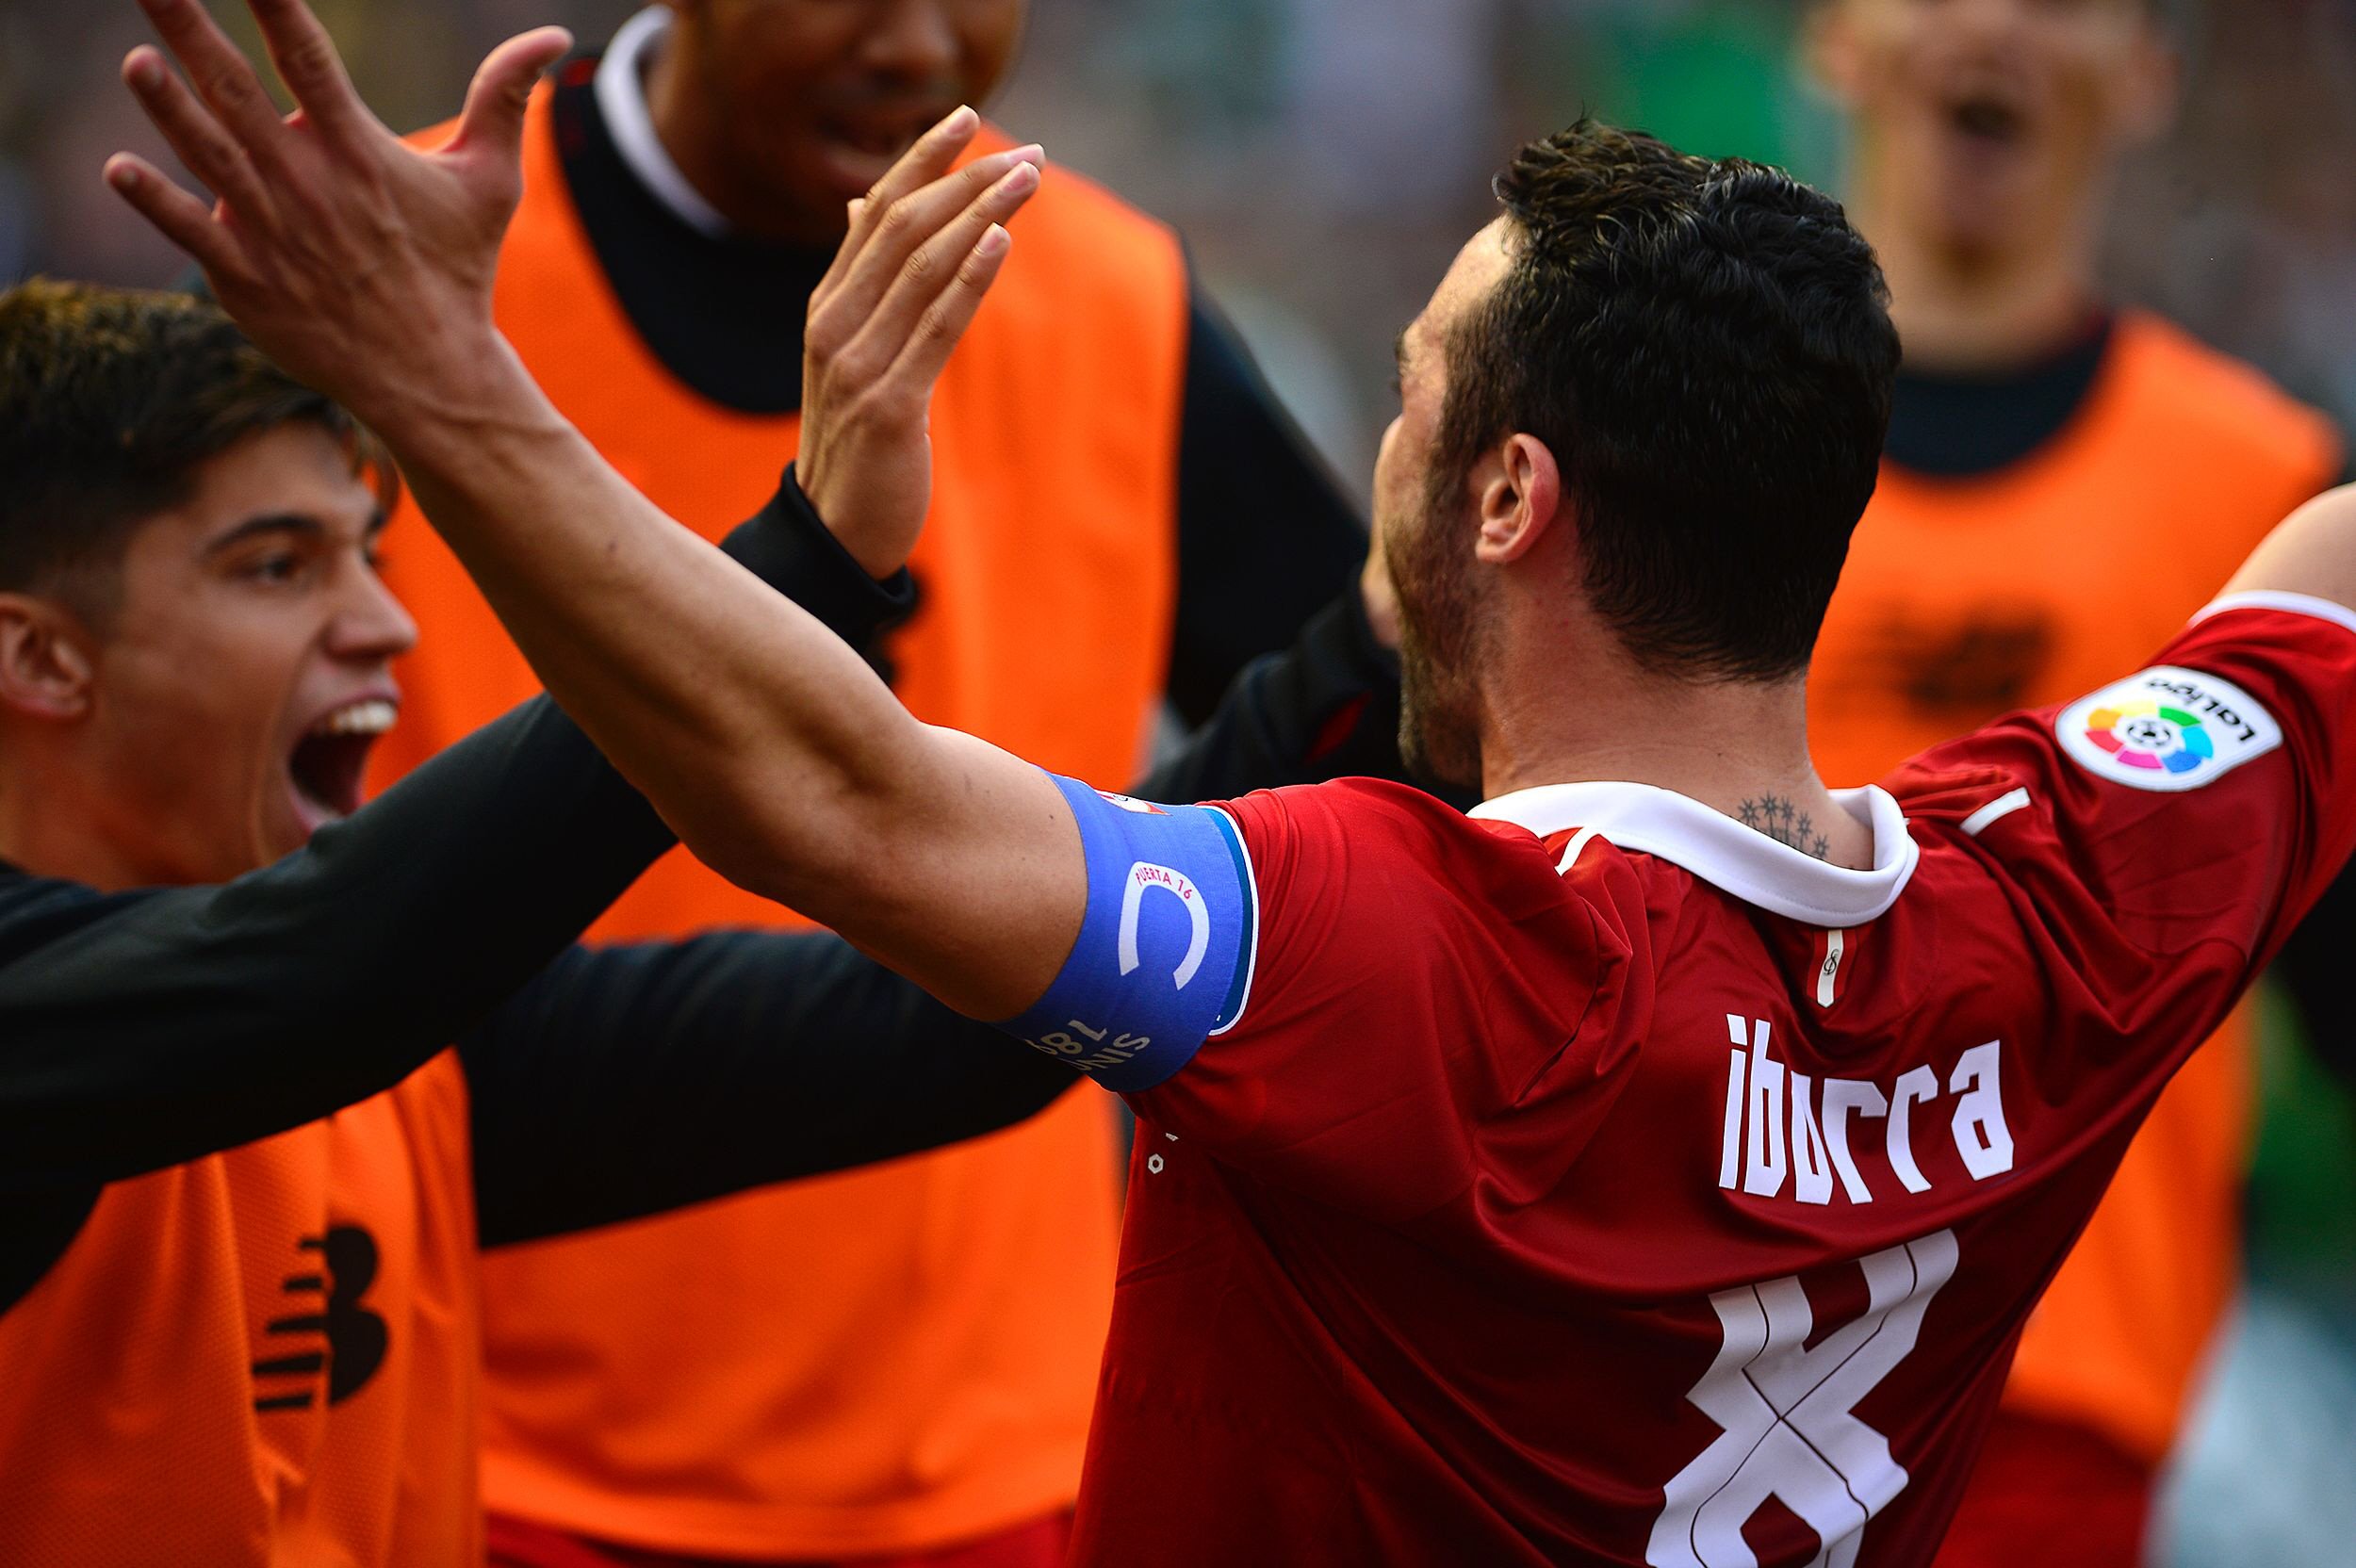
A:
{"x":360,"y":265}
{"x":923,"y":248}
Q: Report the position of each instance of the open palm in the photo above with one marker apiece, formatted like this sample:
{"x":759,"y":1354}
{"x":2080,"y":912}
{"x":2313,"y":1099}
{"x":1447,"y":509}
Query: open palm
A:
{"x":354,"y":260}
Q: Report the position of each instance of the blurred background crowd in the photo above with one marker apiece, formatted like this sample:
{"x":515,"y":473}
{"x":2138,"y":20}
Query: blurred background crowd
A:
{"x":1324,"y":157}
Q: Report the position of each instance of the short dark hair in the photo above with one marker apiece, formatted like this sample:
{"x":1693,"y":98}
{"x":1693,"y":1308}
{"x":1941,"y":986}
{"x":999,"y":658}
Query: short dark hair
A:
{"x":1704,"y":346}
{"x":110,"y":398}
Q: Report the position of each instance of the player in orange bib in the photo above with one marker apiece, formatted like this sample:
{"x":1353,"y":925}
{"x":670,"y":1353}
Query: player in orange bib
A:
{"x":899,"y":1361}
{"x":2065,"y":484}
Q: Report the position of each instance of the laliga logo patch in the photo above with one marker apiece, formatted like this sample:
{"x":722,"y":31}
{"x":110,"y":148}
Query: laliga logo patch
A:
{"x":2167,"y":729}
{"x":1129,"y":803}
{"x":1143,"y":878}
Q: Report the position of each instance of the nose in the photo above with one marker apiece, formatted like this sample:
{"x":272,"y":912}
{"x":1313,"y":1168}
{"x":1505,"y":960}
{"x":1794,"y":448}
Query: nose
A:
{"x":914,"y":39}
{"x":371,"y":624}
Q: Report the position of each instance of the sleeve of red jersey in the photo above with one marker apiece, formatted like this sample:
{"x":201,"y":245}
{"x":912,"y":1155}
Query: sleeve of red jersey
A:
{"x":1405,"y":976}
{"x":2209,"y":798}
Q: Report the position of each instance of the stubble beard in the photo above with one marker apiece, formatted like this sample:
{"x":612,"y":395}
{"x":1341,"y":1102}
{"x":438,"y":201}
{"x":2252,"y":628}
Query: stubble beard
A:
{"x":1439,"y":729}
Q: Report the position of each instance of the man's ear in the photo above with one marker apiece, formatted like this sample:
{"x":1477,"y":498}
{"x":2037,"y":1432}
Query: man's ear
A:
{"x":48,"y":659}
{"x":1520,"y":488}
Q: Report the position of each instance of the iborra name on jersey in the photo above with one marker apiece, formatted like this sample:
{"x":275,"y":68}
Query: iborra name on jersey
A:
{"x":1761,"y":1147}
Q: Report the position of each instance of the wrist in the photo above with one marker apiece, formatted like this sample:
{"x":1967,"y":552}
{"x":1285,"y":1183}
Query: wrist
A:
{"x":447,"y":407}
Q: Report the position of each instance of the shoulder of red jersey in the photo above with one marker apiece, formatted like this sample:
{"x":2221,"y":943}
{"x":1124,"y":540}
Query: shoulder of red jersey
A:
{"x":2202,"y":801}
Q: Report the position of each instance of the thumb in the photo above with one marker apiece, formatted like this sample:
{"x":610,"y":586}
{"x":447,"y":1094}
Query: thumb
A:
{"x":493,"y":119}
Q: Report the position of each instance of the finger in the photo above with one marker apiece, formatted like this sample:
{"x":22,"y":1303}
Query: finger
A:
{"x":180,"y":217}
{"x":493,"y":119}
{"x":935,"y":267}
{"x":943,"y":326}
{"x":899,"y":235}
{"x":307,"y":62}
{"x":208,"y":149}
{"x":923,"y":163}
{"x":221,"y":76}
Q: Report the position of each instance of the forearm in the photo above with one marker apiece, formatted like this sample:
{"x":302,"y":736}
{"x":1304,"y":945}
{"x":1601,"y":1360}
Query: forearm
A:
{"x":767,"y":744}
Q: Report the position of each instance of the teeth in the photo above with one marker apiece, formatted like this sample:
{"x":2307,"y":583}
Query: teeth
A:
{"x":372,"y":717}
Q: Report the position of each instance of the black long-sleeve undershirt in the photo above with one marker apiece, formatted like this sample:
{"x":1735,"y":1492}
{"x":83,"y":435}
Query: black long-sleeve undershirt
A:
{"x":142,"y":1029}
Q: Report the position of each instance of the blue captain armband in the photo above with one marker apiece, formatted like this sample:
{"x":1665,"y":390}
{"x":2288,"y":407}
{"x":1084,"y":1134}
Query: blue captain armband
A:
{"x":1164,"y":957}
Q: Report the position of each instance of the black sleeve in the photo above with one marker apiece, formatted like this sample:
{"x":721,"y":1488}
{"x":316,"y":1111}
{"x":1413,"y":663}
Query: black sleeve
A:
{"x":1325,"y":708}
{"x":1264,"y":535}
{"x":141,"y":1029}
{"x":628,"y":1081}
{"x":2313,"y":968}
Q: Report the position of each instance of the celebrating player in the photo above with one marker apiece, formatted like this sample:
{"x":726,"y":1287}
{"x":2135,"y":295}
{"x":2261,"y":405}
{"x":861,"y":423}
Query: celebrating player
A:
{"x":1598,"y":1179}
{"x":2041,"y":445}
{"x":224,"y":1351}
{"x":903,"y":1361}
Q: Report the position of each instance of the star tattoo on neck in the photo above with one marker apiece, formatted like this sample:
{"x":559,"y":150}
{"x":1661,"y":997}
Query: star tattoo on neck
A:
{"x":1786,"y":824}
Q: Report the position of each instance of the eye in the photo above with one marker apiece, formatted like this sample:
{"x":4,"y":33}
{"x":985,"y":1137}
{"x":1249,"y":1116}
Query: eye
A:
{"x":277,"y":566}
{"x":272,"y":565}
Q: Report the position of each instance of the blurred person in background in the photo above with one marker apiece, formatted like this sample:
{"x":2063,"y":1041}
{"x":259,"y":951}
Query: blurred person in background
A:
{"x":900,"y":1364}
{"x":2065,"y":482}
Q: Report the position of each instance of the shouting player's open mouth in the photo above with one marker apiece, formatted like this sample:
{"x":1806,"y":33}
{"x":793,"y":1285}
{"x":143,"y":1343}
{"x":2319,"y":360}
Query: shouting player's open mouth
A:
{"x":325,"y":769}
{"x":1992,"y":120}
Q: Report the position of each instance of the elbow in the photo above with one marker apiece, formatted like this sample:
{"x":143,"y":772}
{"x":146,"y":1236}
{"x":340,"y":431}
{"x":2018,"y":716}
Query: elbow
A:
{"x":818,"y":847}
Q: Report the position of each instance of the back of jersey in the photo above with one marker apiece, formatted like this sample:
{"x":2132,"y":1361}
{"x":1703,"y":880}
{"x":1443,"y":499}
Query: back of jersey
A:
{"x":1608,"y":1182}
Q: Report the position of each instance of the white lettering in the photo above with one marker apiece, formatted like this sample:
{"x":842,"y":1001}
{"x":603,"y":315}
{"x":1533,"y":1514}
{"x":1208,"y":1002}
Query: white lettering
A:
{"x":1145,"y":875}
{"x":1731,"y":1139}
{"x":1764,"y":1170}
{"x":1981,"y":1137}
{"x":1811,"y":1172}
{"x":1844,"y":1098}
{"x":1917,"y":1083}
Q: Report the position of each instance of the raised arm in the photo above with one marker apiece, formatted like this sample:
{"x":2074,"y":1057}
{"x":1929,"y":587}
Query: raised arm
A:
{"x":365,"y":268}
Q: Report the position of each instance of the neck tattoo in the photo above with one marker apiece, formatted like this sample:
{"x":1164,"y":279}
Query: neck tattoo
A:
{"x":1786,"y":824}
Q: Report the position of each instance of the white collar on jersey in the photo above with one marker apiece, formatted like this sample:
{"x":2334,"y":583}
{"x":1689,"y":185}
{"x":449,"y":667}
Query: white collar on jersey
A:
{"x":622,"y":101}
{"x":1753,"y":867}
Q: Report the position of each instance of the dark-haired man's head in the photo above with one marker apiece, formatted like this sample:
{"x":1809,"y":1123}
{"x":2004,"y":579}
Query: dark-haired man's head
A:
{"x":194,"y":645}
{"x":1985,"y":128}
{"x":1648,"y":400}
{"x":781,"y":112}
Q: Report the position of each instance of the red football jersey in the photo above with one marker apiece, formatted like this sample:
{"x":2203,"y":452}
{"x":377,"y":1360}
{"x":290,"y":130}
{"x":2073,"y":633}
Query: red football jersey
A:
{"x":1597,"y":1181}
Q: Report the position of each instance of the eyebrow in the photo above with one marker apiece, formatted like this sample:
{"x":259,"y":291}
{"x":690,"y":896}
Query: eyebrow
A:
{"x":1399,"y":353}
{"x":271,"y":522}
{"x":290,"y":522}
